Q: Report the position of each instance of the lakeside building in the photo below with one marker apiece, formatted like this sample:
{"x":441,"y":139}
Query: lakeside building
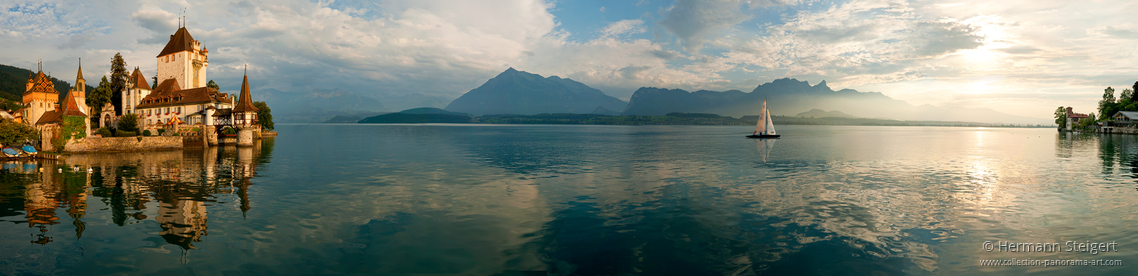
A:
{"x":182,"y":95}
{"x":46,"y":114}
{"x":1074,"y":118}
{"x":39,"y":97}
{"x":136,"y":89}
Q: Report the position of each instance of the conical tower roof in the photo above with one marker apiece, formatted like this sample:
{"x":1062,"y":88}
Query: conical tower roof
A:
{"x":79,"y":76}
{"x":72,"y":108}
{"x":245,"y":103}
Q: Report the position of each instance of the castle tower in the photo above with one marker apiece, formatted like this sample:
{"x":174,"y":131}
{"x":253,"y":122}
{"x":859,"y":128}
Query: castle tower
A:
{"x":137,"y":89}
{"x":244,"y":113}
{"x":245,"y":116}
{"x":79,"y":91}
{"x":185,"y":60}
{"x":79,"y":94}
{"x":40,"y":97}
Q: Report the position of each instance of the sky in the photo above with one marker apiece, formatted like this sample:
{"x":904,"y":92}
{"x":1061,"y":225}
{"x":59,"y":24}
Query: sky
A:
{"x":1019,"y":57}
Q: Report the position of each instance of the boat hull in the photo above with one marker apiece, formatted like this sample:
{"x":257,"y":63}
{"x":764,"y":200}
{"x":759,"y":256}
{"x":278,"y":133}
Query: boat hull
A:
{"x":11,"y":152}
{"x":763,"y":136}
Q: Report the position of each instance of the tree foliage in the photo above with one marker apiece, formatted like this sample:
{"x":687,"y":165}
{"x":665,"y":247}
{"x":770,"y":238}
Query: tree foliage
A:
{"x":15,"y":133}
{"x":73,"y":127}
{"x":1108,"y":106}
{"x":1061,"y":117}
{"x":101,"y":95}
{"x":264,"y":115}
{"x":128,"y":122}
{"x":213,"y":85}
{"x":118,"y":81}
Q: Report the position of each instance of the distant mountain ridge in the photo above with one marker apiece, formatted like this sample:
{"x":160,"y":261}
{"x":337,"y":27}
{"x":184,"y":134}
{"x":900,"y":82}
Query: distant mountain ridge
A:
{"x":818,"y":113}
{"x":787,"y":95}
{"x":418,"y":116}
{"x":518,"y":92}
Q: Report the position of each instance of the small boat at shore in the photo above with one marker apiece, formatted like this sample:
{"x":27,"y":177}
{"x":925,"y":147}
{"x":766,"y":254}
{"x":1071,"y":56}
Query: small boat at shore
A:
{"x":11,"y":152}
{"x":29,"y":150}
{"x":765,"y":127}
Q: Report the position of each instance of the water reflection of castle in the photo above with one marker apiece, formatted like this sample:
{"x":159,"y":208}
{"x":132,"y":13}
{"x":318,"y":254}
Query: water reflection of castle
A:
{"x":182,"y":183}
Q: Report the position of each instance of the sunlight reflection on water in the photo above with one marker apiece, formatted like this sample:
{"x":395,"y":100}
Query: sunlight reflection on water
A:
{"x":586,"y":200}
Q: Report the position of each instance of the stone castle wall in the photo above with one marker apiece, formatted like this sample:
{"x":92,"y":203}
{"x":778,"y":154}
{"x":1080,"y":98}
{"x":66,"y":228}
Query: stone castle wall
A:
{"x":111,"y":144}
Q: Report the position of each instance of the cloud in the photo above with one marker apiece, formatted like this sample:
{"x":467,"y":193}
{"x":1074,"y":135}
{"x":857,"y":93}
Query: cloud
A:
{"x":76,"y":41}
{"x":1124,"y":31}
{"x":633,"y":26}
{"x":694,"y":20}
{"x":446,"y":48}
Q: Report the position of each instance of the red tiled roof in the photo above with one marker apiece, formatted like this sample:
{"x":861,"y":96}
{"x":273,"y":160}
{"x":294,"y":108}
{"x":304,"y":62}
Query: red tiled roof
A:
{"x":168,"y":93}
{"x":245,"y":103}
{"x":72,"y":108}
{"x":139,"y":80}
{"x":49,"y":117}
{"x":180,"y":41}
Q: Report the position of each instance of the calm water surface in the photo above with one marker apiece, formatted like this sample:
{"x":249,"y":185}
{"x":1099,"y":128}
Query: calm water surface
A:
{"x":579,"y":200}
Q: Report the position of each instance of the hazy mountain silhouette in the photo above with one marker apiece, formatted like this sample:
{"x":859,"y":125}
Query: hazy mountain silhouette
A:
{"x":788,"y":97}
{"x":518,"y":92}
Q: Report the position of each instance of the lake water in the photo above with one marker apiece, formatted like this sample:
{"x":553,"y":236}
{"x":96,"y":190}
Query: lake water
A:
{"x":580,"y":200}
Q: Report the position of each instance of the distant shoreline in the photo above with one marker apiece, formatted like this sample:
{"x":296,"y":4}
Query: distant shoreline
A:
{"x":680,"y":119}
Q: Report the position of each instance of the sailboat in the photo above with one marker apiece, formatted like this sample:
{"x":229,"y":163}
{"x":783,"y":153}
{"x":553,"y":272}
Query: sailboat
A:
{"x":765,"y":127}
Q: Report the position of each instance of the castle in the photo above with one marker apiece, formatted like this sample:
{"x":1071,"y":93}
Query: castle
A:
{"x":43,"y":109}
{"x":181,"y":96}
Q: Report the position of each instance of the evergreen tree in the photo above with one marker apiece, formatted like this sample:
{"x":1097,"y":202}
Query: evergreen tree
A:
{"x":99,"y":96}
{"x":1126,"y":97}
{"x":155,"y":78}
{"x":264,"y":115}
{"x":213,"y":85}
{"x":118,"y":81}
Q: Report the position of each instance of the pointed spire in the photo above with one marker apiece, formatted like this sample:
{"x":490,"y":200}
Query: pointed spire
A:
{"x":245,"y":103}
{"x":79,"y":76}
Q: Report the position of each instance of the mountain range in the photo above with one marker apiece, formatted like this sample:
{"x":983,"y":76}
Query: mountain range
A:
{"x":789,"y":97}
{"x":518,"y":92}
{"x":818,"y":113}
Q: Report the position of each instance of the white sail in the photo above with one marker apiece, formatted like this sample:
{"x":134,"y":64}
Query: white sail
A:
{"x":761,"y":126}
{"x":770,"y":123}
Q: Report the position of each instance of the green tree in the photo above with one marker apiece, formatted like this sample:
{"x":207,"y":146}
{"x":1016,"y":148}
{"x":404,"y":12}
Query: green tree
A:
{"x":1061,"y":117}
{"x":264,"y":115}
{"x":129,"y":122}
{"x":15,"y":133}
{"x":1126,"y":97}
{"x":213,"y":85}
{"x":118,"y":81}
{"x":96,"y":98}
{"x":1108,"y":104}
{"x":155,"y":78}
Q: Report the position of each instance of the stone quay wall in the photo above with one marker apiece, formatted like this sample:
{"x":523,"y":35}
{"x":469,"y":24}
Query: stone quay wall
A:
{"x":110,"y":144}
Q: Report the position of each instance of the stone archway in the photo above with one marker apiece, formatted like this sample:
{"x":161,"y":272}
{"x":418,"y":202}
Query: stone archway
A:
{"x":107,"y":117}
